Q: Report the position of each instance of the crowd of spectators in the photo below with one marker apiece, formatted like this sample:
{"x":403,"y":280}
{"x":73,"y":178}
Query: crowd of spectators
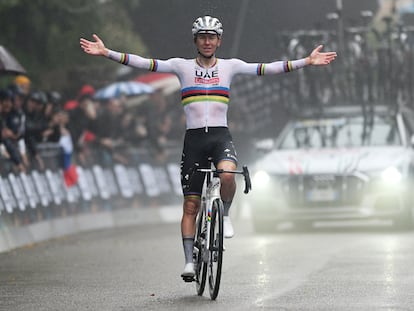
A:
{"x":101,"y":132}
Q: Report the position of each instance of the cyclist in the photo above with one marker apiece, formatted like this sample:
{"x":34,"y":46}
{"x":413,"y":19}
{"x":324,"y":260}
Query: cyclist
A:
{"x":205,"y":85}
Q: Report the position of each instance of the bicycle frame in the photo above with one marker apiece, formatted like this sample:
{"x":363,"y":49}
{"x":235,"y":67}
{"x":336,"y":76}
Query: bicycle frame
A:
{"x":211,"y":192}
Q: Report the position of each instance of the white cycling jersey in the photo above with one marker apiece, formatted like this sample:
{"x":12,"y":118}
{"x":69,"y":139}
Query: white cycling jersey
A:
{"x":205,"y":91}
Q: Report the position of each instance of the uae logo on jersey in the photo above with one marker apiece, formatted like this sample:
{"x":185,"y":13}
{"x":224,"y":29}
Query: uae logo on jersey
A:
{"x":202,"y":77}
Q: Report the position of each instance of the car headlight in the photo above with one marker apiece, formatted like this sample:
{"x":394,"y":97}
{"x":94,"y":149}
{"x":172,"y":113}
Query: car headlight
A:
{"x":391,"y":175}
{"x":261,"y":179}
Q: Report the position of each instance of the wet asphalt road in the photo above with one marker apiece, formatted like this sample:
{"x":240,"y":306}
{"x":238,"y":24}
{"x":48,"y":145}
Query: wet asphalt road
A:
{"x":138,"y":268}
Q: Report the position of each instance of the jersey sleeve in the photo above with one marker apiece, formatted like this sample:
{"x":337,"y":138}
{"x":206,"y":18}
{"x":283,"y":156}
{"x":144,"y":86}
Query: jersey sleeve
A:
{"x":137,"y":61}
{"x":260,"y":69}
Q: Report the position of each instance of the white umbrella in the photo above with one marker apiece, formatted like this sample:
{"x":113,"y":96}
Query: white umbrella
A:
{"x":9,"y":64}
{"x":127,"y":88}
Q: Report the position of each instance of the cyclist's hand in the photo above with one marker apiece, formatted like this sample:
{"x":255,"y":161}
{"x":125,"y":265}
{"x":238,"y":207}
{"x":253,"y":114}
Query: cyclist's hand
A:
{"x":319,"y":58}
{"x":94,"y":48}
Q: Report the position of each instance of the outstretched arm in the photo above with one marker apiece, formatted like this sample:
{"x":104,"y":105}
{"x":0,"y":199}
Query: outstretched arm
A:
{"x":94,"y":48}
{"x":318,"y":58}
{"x":98,"y":48}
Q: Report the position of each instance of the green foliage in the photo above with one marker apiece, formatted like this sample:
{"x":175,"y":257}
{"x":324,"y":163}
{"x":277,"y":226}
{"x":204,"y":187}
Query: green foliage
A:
{"x":44,"y":36}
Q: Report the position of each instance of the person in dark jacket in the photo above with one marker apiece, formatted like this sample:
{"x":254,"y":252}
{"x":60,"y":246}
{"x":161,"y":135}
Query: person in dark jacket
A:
{"x":36,"y":124}
{"x":9,"y":130}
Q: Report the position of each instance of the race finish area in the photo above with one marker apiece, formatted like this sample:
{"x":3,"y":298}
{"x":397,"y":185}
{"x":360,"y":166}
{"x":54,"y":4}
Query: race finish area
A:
{"x":138,"y":268}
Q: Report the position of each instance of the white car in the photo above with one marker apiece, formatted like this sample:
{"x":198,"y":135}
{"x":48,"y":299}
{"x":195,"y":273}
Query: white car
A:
{"x":338,"y":163}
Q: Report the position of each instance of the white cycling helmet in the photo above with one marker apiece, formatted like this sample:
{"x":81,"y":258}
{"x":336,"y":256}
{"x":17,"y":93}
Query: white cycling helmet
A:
{"x":207,"y":24}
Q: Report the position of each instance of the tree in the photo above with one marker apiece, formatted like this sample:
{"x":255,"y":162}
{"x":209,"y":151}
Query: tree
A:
{"x":44,"y":36}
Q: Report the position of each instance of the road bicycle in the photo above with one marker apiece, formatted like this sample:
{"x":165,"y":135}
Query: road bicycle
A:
{"x":208,"y":241}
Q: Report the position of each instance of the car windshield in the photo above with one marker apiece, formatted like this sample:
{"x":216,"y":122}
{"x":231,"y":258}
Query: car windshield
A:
{"x":342,"y":132}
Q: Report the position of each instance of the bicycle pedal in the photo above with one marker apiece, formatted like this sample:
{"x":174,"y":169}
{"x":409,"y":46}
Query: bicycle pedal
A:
{"x":188,"y":279}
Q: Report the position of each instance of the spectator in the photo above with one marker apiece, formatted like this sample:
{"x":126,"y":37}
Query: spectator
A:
{"x":53,"y":132}
{"x":109,"y":135}
{"x":9,"y":138}
{"x":164,"y":130}
{"x":57,"y":132}
{"x":53,"y":104}
{"x":134,"y":129}
{"x":17,"y":121}
{"x":81,"y":121}
{"x":36,"y":124}
{"x":23,"y":83}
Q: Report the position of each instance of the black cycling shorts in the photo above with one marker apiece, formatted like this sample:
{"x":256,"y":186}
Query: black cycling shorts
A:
{"x":199,"y":146}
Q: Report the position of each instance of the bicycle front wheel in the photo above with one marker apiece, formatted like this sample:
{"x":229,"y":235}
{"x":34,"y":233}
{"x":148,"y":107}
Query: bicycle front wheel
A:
{"x":199,"y":251}
{"x":216,"y":248}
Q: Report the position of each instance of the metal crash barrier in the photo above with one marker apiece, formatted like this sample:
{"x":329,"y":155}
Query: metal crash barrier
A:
{"x":146,"y":181}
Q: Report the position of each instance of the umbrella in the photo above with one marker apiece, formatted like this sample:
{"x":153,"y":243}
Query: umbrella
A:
{"x":167,"y":82}
{"x":8,"y":64}
{"x":127,"y":88}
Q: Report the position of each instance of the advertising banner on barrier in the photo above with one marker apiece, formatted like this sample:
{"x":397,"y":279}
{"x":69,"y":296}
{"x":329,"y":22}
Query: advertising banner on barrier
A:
{"x":46,"y":189}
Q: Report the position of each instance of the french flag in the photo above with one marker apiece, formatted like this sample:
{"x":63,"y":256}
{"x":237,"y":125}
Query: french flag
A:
{"x":70,"y":174}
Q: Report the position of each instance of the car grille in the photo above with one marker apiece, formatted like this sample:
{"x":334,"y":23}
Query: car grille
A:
{"x":317,"y":190}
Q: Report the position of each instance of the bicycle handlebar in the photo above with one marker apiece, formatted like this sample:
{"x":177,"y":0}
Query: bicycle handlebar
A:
{"x":247,"y":181}
{"x":244,"y":172}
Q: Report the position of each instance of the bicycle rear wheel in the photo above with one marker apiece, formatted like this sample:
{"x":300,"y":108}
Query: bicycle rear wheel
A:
{"x":216,"y":248}
{"x":198,"y":253}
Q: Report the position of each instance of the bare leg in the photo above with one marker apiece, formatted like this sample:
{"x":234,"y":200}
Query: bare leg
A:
{"x":188,"y":221}
{"x":228,"y":182}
